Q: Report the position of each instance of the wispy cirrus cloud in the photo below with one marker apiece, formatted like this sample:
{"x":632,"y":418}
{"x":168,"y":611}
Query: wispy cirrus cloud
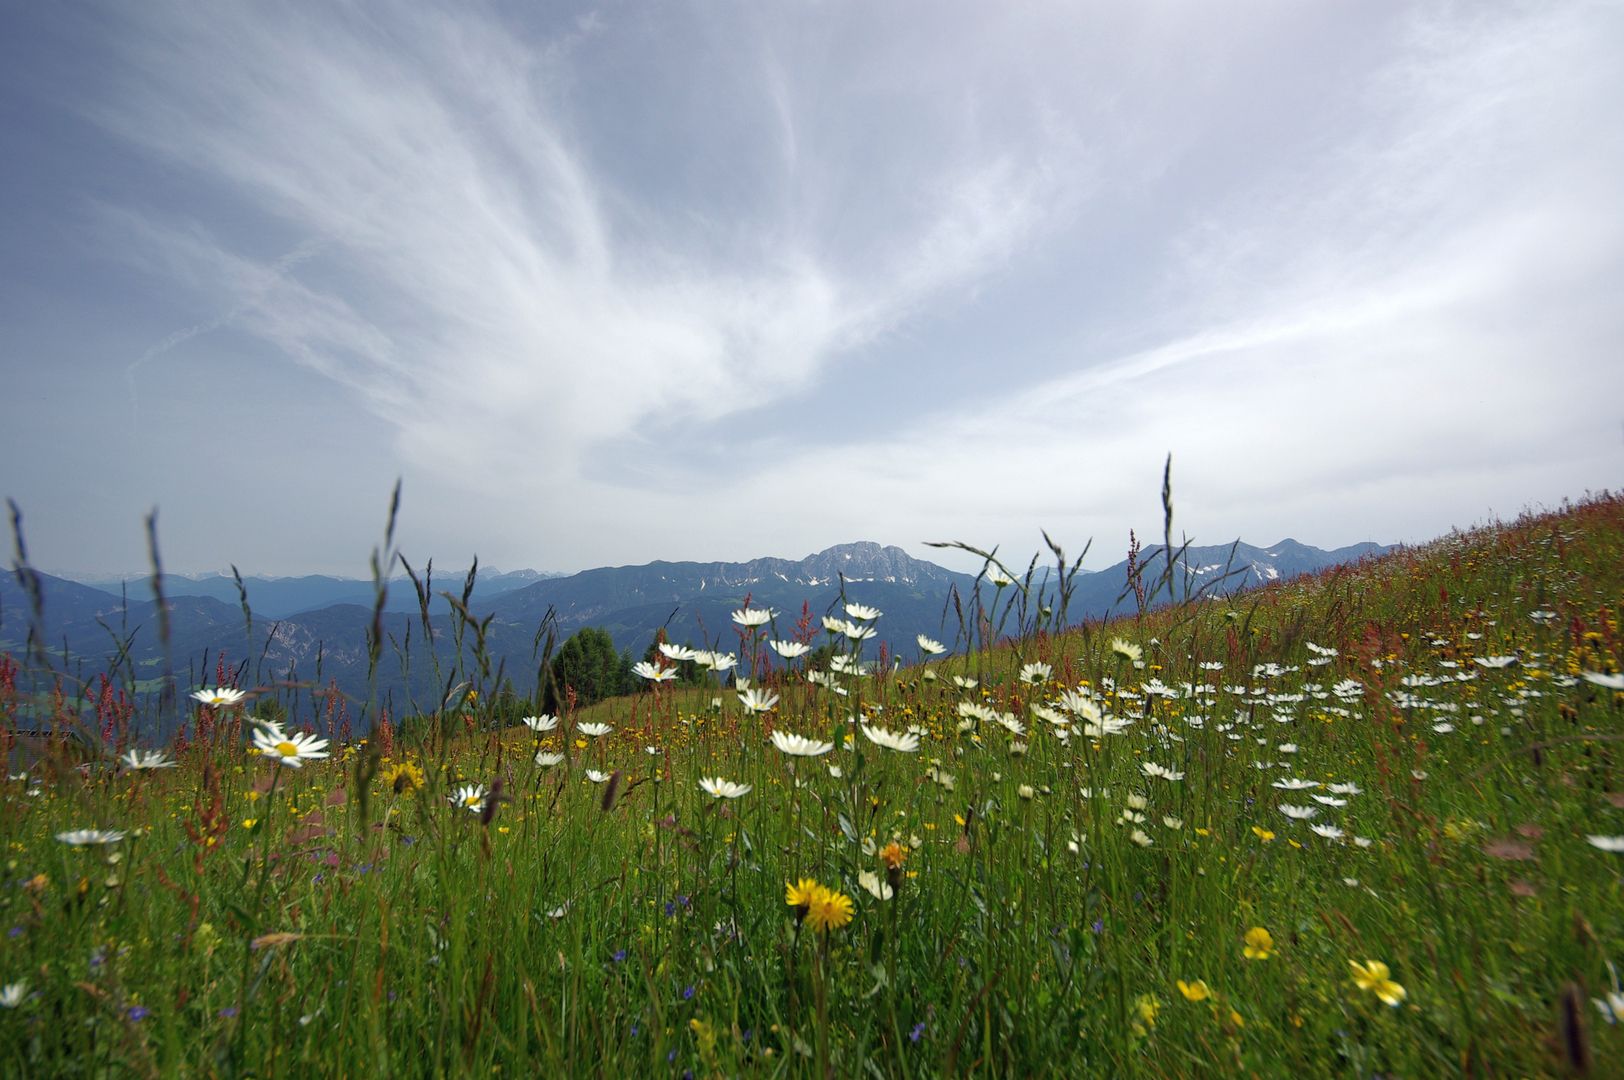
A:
{"x":479,"y":277}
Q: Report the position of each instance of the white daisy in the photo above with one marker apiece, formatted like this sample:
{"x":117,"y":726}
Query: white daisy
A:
{"x":718,"y":788}
{"x":219,"y":696}
{"x":800,"y":746}
{"x":676,"y":652}
{"x":548,"y":760}
{"x":544,"y":722}
{"x":470,"y":797}
{"x":789,"y":650}
{"x":1614,"y":844}
{"x":90,"y":837}
{"x":653,"y":672}
{"x":595,"y":730}
{"x":1298,"y":813}
{"x":930,"y":646}
{"x":863,"y":613}
{"x":757,"y":701}
{"x":291,"y":750}
{"x":1036,"y":672}
{"x":753,"y":616}
{"x":147,"y":759}
{"x":906,"y":743}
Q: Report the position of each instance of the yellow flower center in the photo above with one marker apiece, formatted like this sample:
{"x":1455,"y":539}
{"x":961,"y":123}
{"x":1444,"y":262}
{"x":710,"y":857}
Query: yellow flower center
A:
{"x":470,"y":800}
{"x":287,"y":749}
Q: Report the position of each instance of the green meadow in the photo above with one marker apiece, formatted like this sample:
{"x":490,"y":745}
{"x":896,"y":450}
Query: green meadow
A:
{"x":1369,"y":823}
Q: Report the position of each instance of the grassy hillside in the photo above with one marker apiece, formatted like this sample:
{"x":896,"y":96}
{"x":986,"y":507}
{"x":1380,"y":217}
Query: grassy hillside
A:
{"x":1367,"y":823}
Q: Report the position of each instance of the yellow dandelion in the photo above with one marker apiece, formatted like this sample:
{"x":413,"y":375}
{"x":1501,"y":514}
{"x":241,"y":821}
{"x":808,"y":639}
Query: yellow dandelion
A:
{"x":1259,"y":944}
{"x":404,"y":778}
{"x":829,"y":910}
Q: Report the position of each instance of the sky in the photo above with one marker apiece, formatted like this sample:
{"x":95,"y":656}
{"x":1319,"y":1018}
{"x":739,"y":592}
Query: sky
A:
{"x":619,"y":282}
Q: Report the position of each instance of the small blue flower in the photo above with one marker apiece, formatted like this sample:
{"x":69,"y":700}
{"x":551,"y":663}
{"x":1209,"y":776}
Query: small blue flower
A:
{"x":228,"y":1012}
{"x":138,"y":1013}
{"x":687,"y":993}
{"x":917,"y":1032}
{"x":620,"y":954}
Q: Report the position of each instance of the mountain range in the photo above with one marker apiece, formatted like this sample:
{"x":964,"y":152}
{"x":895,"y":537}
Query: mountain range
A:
{"x":313,"y":631}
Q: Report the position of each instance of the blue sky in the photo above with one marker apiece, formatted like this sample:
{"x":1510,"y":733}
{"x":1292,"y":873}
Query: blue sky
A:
{"x":621,"y":282}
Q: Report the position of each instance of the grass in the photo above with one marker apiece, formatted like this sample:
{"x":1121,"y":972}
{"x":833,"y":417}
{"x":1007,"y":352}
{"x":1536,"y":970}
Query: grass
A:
{"x":1071,"y":900}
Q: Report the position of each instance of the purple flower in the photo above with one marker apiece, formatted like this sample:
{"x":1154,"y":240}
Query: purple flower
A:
{"x":917,"y":1032}
{"x":1099,"y":926}
{"x":620,"y":954}
{"x":138,"y":1013}
{"x":687,"y":993}
{"x":228,"y":1012}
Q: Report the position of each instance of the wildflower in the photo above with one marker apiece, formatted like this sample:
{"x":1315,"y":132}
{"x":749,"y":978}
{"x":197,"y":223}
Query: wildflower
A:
{"x":757,"y":701}
{"x":291,"y":750}
{"x":1036,"y":673}
{"x":1346,"y":789}
{"x":653,"y":672}
{"x":1372,"y":976}
{"x":1145,"y":1010}
{"x":1298,"y":813}
{"x":964,"y":683}
{"x":676,"y":652}
{"x":89,"y":837}
{"x":930,"y":646}
{"x":1259,"y":944}
{"x":1263,"y":834}
{"x":1493,"y":662}
{"x":1330,"y":832}
{"x":470,"y":797}
{"x":404,"y":778}
{"x":548,"y":760}
{"x":715,"y":661}
{"x":893,"y":855}
{"x":997,"y":576}
{"x":789,"y":650}
{"x":800,"y":746}
{"x":718,"y":788}
{"x":1610,"y":682}
{"x":753,"y":616}
{"x":147,"y":759}
{"x":1126,"y":650}
{"x":1614,"y":844}
{"x":1196,"y":991}
{"x":219,"y":696}
{"x":544,"y":722}
{"x":597,"y":777}
{"x":1008,"y":722}
{"x":869,"y":880}
{"x":12,"y":994}
{"x":593,"y":729}
{"x":1025,"y":791}
{"x":906,"y":743}
{"x":799,"y":896}
{"x":863,"y":613}
{"x":1140,"y":837}
{"x":829,"y":909}
{"x":1150,"y":768}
